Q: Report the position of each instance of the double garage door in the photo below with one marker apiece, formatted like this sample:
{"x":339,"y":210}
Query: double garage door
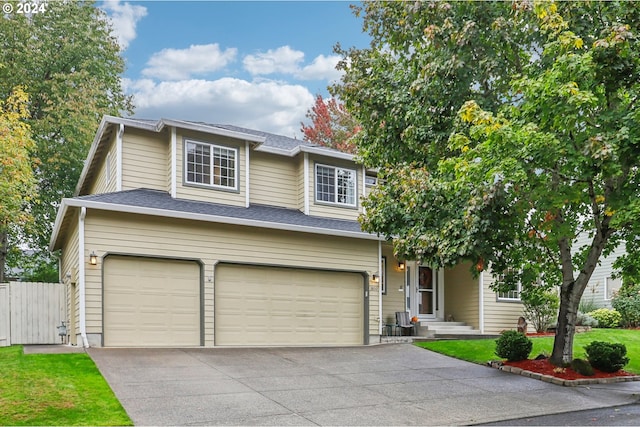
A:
{"x":157,"y":302}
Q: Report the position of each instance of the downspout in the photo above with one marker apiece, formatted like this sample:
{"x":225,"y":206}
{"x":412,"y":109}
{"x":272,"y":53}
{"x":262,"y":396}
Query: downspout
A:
{"x":481,"y":300}
{"x":381,"y":276}
{"x":119,"y":157}
{"x":247,"y":201}
{"x":81,"y":278}
{"x":174,"y":153}
{"x":306,"y":183}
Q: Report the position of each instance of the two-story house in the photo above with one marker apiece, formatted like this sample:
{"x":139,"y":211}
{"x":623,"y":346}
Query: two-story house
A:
{"x":190,"y":234}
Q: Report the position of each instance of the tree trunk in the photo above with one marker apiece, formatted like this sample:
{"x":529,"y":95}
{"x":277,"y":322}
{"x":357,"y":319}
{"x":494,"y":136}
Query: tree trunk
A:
{"x":563,"y":343}
{"x":3,"y":254}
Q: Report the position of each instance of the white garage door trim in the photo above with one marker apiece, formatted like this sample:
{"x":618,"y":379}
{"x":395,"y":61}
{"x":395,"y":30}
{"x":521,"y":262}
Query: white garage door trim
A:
{"x":196,"y":317}
{"x":233,"y":318}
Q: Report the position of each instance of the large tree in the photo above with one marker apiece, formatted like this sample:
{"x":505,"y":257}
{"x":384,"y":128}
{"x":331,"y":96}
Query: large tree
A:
{"x":331,"y":125}
{"x":70,"y":65}
{"x":17,"y":185}
{"x":502,"y":131}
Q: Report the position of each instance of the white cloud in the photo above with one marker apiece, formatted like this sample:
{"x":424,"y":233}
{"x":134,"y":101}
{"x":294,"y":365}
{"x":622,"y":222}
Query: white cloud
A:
{"x":322,"y":68}
{"x":124,"y":18}
{"x":180,"y":64}
{"x":265,"y":105}
{"x":281,"y":60}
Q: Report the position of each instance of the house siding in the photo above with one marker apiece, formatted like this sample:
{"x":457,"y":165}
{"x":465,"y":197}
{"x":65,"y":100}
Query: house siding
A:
{"x":498,"y":315}
{"x":462,"y":295}
{"x":273,"y":180}
{"x":205,"y":194}
{"x":595,"y":292}
{"x":100,"y":184}
{"x":328,"y":210}
{"x":394,"y":299}
{"x":108,"y":232}
{"x":69,"y":265}
{"x":144,"y":160}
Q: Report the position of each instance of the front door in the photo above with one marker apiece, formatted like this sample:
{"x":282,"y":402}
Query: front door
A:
{"x":426,"y":293}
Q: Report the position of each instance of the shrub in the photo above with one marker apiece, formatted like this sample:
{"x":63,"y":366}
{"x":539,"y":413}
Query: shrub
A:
{"x":627,"y":303}
{"x":583,"y":319}
{"x":513,"y":346}
{"x":582,"y":367}
{"x":540,"y":307}
{"x":606,"y":317}
{"x":607,"y":357}
{"x":587,"y":305}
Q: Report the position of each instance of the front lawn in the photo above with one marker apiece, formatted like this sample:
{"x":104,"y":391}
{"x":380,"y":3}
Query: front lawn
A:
{"x":55,"y":389}
{"x":483,"y":350}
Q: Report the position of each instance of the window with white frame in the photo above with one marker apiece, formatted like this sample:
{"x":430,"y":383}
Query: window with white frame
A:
{"x":611,"y":287}
{"x":335,"y":185}
{"x":211,"y":165}
{"x":509,"y":292}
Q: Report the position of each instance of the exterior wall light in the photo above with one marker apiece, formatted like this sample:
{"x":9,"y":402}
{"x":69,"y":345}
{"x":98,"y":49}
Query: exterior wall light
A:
{"x":93,"y":258}
{"x":400,"y":265}
{"x":376,"y":278}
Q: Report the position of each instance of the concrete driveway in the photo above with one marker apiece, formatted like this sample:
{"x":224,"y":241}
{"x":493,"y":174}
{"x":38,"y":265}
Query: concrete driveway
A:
{"x":376,"y":385}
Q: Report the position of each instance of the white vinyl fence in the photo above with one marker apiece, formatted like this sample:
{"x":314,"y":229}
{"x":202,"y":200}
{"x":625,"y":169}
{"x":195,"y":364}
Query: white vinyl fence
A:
{"x":31,"y":312}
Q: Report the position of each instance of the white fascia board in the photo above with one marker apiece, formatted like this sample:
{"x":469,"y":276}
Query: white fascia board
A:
{"x":306,"y":149}
{"x":206,"y":218}
{"x":62,"y":211}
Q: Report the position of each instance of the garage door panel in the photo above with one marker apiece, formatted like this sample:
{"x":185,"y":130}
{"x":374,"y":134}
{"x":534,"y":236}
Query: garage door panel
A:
{"x":151,"y":302}
{"x":276,"y":306}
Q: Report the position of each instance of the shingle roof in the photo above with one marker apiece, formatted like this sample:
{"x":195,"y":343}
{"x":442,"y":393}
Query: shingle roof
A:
{"x":154,"y":199}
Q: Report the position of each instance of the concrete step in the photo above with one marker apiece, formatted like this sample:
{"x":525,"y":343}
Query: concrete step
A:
{"x":430,"y":323}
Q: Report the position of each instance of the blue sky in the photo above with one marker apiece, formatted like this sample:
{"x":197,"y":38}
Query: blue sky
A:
{"x":257,"y":64}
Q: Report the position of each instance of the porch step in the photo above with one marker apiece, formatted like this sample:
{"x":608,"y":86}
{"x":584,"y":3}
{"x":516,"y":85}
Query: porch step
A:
{"x":441,"y":329}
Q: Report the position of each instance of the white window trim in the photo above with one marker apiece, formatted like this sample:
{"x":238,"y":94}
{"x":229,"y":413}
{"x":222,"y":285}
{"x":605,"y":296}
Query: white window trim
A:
{"x":507,"y":299}
{"x":606,"y":287}
{"x":236,"y":166}
{"x":335,"y":176}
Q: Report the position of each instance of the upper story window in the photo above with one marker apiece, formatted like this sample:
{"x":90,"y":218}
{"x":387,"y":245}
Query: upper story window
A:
{"x":508,"y":293}
{"x":335,"y":185}
{"x":210,"y":164}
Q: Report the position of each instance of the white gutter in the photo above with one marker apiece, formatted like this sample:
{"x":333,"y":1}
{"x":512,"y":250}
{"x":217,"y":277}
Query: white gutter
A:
{"x":119,"y":157}
{"x":247,"y":201}
{"x":481,"y":299}
{"x":381,"y":277}
{"x":81,"y":278}
{"x":174,"y":167}
{"x":306,"y":149}
{"x":306,"y":183}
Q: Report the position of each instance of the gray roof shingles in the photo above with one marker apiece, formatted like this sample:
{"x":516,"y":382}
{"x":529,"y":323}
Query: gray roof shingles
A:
{"x":146,"y":198}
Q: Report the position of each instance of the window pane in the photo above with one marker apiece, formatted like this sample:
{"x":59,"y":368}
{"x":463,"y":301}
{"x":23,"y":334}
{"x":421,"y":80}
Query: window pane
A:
{"x":346,"y":187}
{"x":325,"y":184}
{"x":198,"y":163}
{"x":224,"y":161}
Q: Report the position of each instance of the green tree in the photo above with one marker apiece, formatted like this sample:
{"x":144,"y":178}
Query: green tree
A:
{"x":17,"y":184}
{"x":70,"y":65}
{"x":502,"y":132}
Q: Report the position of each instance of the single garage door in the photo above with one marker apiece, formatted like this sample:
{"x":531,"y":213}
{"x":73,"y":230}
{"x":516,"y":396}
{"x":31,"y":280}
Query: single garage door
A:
{"x":282,"y":306}
{"x":151,"y":302}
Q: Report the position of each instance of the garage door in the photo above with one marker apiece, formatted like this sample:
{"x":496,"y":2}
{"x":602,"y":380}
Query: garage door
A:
{"x":151,"y":302}
{"x":281,"y":306}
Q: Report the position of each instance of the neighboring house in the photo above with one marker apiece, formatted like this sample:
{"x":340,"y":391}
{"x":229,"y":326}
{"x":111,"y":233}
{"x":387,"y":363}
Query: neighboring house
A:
{"x":190,"y":234}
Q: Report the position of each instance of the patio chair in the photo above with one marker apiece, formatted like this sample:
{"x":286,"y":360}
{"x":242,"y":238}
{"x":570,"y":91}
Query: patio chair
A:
{"x":403,"y":323}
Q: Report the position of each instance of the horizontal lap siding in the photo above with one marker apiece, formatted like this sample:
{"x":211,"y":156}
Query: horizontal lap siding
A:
{"x":461,"y":295}
{"x":394,"y":300}
{"x":209,"y":242}
{"x":273,"y":180}
{"x":100,"y":184}
{"x":205,"y":194}
{"x":69,"y":265}
{"x":144,"y":160}
{"x":498,"y":315}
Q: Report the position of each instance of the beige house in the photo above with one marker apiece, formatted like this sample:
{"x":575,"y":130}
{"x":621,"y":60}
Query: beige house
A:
{"x":190,"y":234}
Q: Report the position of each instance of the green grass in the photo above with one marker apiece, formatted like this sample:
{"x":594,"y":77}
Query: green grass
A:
{"x":55,"y":389}
{"x":481,"y":351}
